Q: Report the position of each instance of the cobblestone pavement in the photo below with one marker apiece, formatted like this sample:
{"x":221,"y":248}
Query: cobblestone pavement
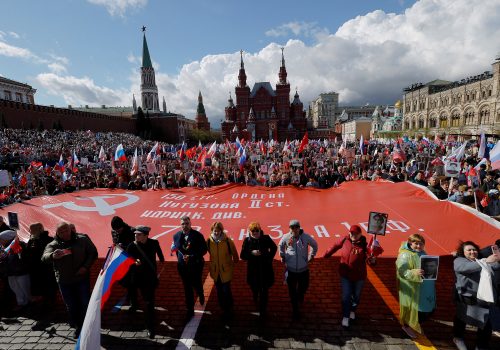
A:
{"x":245,"y":331}
{"x":376,"y":326}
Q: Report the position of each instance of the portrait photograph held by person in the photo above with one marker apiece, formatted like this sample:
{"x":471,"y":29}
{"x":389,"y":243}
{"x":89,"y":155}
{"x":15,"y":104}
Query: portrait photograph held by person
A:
{"x":377,"y":223}
{"x":430,"y":265}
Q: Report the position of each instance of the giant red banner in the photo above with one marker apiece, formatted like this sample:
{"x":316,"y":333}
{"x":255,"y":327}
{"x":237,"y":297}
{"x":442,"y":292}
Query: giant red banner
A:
{"x":326,"y":214}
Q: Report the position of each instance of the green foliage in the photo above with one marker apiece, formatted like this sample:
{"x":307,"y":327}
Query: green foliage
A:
{"x":197,"y":135}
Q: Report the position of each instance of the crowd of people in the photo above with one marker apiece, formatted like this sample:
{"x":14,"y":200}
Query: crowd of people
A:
{"x":52,"y":162}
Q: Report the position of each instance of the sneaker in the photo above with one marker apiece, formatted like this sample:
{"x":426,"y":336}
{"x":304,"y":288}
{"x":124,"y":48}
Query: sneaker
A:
{"x":345,"y":322}
{"x":460,"y":344}
{"x":352,"y":315}
{"x":409,"y":331}
{"x":76,"y":333}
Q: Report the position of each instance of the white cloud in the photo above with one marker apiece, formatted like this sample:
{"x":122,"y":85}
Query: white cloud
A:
{"x":133,"y":59}
{"x":305,"y":29}
{"x":77,"y":91}
{"x":14,"y":35}
{"x":370,"y":58}
{"x":15,"y":51}
{"x":119,"y":7}
{"x":57,"y":68}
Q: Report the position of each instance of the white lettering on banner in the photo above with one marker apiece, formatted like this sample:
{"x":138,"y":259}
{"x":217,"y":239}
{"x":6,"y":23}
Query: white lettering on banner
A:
{"x":172,"y":228}
{"x":275,"y":228}
{"x":171,"y":204}
{"x":243,"y":234}
{"x":161,"y":214}
{"x":257,"y":195}
{"x":257,"y":204}
{"x":397,"y":226}
{"x":101,"y":205}
{"x":321,"y":230}
{"x":227,"y":215}
{"x":173,"y":196}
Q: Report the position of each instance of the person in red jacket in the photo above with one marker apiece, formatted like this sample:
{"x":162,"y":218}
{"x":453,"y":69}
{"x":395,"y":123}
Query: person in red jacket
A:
{"x":353,"y":259}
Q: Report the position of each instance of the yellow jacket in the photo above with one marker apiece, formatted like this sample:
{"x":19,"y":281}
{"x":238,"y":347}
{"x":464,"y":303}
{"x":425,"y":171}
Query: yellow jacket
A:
{"x":223,"y":256}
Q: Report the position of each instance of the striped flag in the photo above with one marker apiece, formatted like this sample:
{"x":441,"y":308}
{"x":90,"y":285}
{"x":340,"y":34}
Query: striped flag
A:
{"x":115,"y":268}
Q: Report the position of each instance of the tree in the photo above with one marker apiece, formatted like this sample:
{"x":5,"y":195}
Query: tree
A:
{"x":203,"y":136}
{"x":140,"y":122}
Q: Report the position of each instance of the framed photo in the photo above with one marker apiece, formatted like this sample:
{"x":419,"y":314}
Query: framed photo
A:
{"x":430,"y":265}
{"x":377,"y":223}
{"x":13,"y":220}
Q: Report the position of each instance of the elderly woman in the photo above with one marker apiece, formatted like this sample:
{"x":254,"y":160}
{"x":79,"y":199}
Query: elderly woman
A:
{"x":223,"y":256}
{"x":417,"y":296}
{"x":470,"y":309}
{"x":259,"y":250}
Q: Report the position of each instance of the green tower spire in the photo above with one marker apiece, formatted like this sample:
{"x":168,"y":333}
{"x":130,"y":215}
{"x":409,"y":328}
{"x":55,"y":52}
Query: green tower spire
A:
{"x":146,"y":60}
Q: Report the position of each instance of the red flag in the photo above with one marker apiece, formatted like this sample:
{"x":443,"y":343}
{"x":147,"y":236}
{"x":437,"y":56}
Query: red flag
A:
{"x":304,"y":142}
{"x":23,"y":181}
{"x":374,"y":248}
{"x":14,"y":247}
{"x":263,"y":148}
{"x":202,"y":156}
{"x":437,"y":162}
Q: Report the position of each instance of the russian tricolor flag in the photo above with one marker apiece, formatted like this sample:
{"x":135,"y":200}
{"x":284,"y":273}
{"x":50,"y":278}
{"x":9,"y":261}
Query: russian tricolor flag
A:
{"x":120,"y":153}
{"x":115,"y":268}
{"x":495,"y":156}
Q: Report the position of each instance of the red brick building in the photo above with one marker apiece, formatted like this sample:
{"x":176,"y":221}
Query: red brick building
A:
{"x":201,"y":117}
{"x":264,"y":113}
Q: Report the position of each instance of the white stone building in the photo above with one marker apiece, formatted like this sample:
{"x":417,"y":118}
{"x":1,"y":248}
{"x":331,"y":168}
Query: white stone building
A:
{"x":11,"y":90}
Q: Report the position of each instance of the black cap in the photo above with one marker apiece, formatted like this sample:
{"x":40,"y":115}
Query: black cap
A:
{"x":117,"y":222}
{"x":142,"y":229}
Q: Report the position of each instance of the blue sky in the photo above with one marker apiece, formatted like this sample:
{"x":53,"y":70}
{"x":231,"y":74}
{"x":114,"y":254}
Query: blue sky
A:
{"x":88,"y":52}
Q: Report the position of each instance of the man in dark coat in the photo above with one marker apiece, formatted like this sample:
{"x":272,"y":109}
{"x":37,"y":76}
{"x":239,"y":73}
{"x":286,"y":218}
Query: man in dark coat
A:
{"x":72,"y":255}
{"x":121,"y":233}
{"x":144,"y":273}
{"x":190,"y":247}
{"x":43,"y":281}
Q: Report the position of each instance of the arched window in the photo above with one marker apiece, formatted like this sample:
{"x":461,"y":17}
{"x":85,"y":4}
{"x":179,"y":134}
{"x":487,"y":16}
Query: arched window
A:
{"x":421,"y":123}
{"x":485,"y":116}
{"x":469,"y":117}
{"x":407,"y":124}
{"x":432,"y":122}
{"x":443,"y":121}
{"x":455,"y":119}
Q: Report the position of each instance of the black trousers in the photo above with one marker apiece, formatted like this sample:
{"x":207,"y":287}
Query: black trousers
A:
{"x":261,"y":296}
{"x":191,"y":279}
{"x":148,"y":296}
{"x":483,"y":335}
{"x":297,"y":282}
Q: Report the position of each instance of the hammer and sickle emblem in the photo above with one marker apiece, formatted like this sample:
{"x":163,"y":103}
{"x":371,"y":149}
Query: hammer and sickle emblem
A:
{"x":100,"y":204}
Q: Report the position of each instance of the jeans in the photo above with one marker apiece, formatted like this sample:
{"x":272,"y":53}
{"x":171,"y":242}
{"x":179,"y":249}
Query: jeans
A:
{"x":351,"y":293}
{"x":298,"y":282}
{"x":224,"y":295}
{"x":76,"y":296}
